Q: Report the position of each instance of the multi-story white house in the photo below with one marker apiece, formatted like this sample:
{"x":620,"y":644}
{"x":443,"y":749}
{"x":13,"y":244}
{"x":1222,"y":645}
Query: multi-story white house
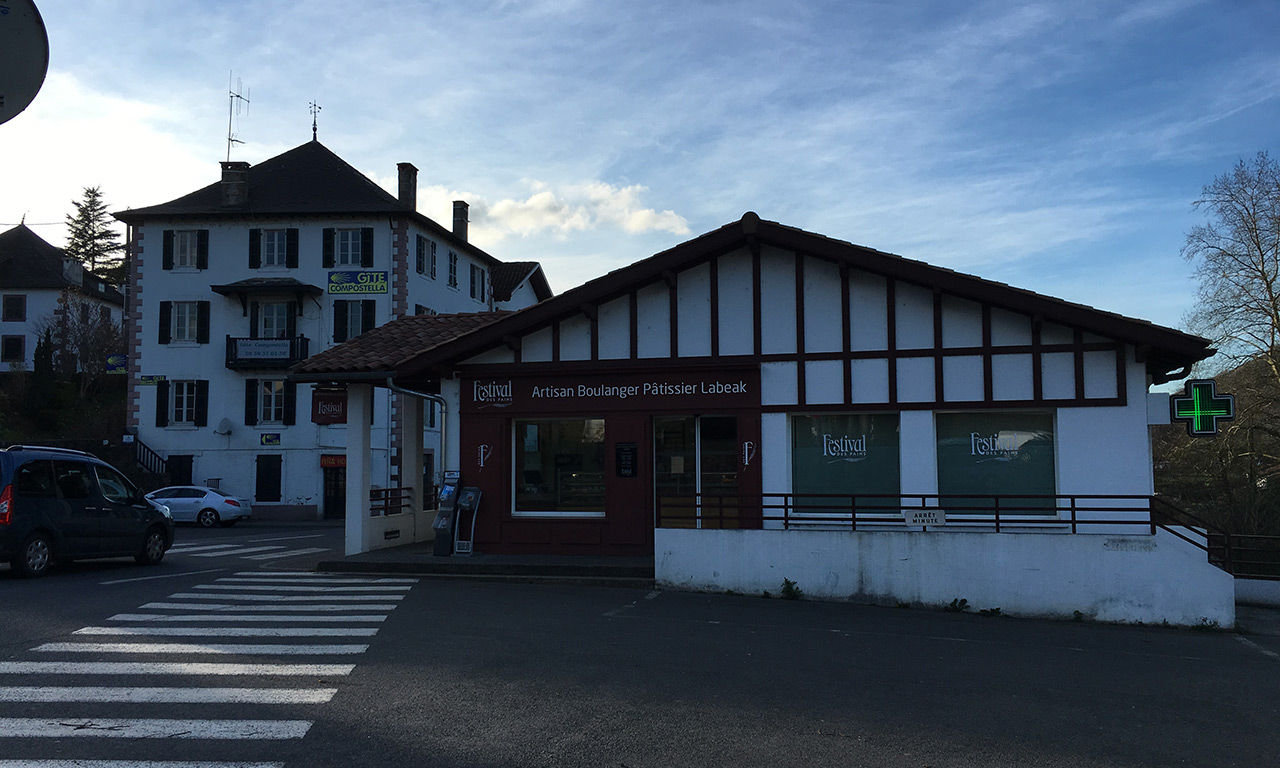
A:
{"x":39,"y":287}
{"x":231,"y":284}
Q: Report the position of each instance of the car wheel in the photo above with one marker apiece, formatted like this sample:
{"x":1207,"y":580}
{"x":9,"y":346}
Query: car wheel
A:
{"x":152,"y":548}
{"x":33,"y":556}
{"x":207,"y":518}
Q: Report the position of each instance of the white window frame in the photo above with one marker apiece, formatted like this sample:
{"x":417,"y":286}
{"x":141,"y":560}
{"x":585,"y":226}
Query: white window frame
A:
{"x":182,"y":403}
{"x":355,"y":319}
{"x":271,"y":401}
{"x":431,"y":260}
{"x":275,"y":247}
{"x":277,"y":312}
{"x":186,"y":322}
{"x":186,"y":248}
{"x":346,"y":248}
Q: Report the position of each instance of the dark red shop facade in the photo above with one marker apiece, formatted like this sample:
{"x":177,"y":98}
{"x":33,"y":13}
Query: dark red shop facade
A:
{"x":582,"y":462}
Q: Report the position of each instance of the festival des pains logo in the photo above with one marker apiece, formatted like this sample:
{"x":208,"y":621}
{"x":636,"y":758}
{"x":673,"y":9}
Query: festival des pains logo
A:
{"x":844,"y":448}
{"x":1005,"y":445}
{"x":491,"y":394}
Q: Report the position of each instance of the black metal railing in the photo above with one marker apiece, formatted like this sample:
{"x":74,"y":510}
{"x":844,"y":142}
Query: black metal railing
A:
{"x":1244,"y":555}
{"x":265,"y":353}
{"x":389,"y":501}
{"x":148,"y":459}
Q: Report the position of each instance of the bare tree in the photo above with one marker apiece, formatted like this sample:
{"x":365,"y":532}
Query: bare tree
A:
{"x":84,"y":337}
{"x":1237,"y":258}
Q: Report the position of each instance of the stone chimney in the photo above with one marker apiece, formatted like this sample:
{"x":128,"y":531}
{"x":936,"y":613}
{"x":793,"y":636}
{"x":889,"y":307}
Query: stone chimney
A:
{"x":408,"y":185}
{"x":460,"y":219}
{"x":235,"y":184}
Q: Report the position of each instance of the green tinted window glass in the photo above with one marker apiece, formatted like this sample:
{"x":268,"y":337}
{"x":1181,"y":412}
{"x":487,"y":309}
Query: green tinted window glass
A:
{"x":997,"y":454}
{"x":845,"y":454}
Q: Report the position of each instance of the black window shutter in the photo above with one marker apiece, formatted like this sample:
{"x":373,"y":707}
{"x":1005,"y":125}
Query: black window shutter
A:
{"x":202,"y":322}
{"x":202,"y":403}
{"x":421,"y":255}
{"x":250,"y":402}
{"x":340,"y":309}
{"x":291,"y":248}
{"x":253,"y":319}
{"x":255,"y":248}
{"x":327,"y":236}
{"x":291,"y":323}
{"x":367,"y":317}
{"x":167,"y":261}
{"x":162,"y":403}
{"x":202,"y":249}
{"x":366,"y":247}
{"x":290,"y":402}
{"x":166,"y":320}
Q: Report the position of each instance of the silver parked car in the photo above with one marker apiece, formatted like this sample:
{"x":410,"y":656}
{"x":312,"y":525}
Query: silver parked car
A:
{"x":203,"y":506}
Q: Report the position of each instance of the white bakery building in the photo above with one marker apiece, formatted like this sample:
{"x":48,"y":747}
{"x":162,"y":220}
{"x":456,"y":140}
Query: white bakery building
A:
{"x":233,"y":283}
{"x":763,"y":403}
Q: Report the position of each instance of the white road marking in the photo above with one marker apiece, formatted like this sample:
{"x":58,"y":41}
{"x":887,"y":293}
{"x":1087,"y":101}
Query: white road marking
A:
{"x":290,"y":538}
{"x":47,"y":693}
{"x":182,"y":549}
{"x":236,"y":552}
{"x":216,"y":617}
{"x":320,"y":608}
{"x":279,"y":598}
{"x":201,"y":668}
{"x":325,"y":580}
{"x":1257,"y":647}
{"x":32,"y":727}
{"x":131,"y":764}
{"x":232,"y":631}
{"x":259,"y":649}
{"x":165,"y":576}
{"x":288,"y":553}
{"x":292,"y":588}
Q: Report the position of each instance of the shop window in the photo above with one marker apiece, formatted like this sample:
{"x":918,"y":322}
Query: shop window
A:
{"x":559,"y":467}
{"x":845,"y":455}
{"x":985,"y":455}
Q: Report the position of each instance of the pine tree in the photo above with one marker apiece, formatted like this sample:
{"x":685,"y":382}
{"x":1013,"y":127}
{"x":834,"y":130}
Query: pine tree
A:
{"x":92,"y":241}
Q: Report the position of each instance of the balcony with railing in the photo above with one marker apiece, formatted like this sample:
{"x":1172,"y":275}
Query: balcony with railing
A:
{"x":245,"y":353}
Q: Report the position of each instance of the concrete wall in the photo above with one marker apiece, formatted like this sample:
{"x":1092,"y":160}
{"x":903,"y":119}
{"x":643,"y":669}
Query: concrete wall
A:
{"x":1258,"y":592}
{"x":1120,"y":578}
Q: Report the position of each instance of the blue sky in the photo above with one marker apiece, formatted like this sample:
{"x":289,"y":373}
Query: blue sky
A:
{"x":1056,"y":146}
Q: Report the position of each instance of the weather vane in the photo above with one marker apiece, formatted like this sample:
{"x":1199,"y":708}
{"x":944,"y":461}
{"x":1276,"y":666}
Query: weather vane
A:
{"x":315,"y":110}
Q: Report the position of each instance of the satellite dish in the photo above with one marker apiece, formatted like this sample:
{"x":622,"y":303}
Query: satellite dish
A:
{"x":224,"y":427}
{"x":24,"y":56}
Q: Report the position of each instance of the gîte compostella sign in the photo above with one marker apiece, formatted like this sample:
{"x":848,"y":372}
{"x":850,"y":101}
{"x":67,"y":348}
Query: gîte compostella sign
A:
{"x":357,"y":282}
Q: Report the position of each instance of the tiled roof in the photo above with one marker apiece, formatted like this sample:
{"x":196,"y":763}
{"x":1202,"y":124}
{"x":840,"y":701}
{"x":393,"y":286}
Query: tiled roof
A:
{"x":505,"y":278}
{"x":28,"y":262}
{"x":380,"y":350}
{"x":309,"y":179}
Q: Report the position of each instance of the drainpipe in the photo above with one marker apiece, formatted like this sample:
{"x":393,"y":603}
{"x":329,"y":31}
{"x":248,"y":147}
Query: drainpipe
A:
{"x":394,"y":387}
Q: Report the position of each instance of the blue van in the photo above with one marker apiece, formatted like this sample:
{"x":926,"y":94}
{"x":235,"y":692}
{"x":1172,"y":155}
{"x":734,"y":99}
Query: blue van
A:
{"x":58,"y":505}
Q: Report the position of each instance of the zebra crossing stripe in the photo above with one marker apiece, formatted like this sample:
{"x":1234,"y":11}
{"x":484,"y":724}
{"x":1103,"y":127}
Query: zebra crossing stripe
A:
{"x":288,"y":553}
{"x":201,"y":668}
{"x":120,"y":695}
{"x":181,"y":549}
{"x":293,"y":588}
{"x":33,"y":727}
{"x":261,"y":649}
{"x":222,"y":617}
{"x":279,"y":598}
{"x":316,"y":579}
{"x":131,"y":764}
{"x":232,"y":631}
{"x":289,"y":538}
{"x":237,"y":552}
{"x":266,"y":608}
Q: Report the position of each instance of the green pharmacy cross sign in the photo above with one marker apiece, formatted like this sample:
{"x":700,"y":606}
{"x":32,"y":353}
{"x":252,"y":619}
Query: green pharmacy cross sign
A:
{"x":1201,"y":407}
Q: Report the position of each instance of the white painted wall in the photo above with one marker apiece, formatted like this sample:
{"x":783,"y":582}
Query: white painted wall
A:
{"x":1140,"y":578}
{"x":736,"y":300}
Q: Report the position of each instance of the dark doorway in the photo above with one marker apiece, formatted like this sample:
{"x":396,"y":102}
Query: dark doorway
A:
{"x":179,"y":466}
{"x":335,"y":493}
{"x":268,"y":487}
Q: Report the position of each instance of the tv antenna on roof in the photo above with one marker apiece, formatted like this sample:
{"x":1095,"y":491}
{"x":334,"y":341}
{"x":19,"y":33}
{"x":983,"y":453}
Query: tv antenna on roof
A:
{"x":315,"y":110}
{"x":234,"y":99}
